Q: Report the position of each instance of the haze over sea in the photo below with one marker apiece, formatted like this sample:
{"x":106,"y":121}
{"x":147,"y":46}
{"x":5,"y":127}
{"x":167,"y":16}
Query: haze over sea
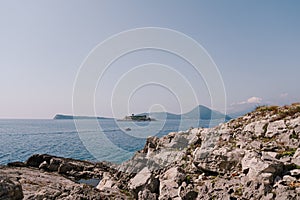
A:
{"x":19,"y":139}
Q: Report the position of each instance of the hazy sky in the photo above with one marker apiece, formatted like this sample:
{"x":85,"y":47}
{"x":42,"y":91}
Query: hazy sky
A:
{"x":255,"y":45}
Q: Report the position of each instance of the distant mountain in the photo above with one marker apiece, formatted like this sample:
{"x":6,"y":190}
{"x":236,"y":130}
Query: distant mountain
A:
{"x":200,"y":112}
{"x":205,"y":113}
{"x":60,"y":116}
{"x":163,"y":115}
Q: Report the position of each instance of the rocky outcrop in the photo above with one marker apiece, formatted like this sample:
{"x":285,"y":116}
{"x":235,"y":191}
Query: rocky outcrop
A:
{"x":71,"y":168}
{"x":10,"y":189}
{"x":37,"y":184}
{"x":256,"y":156}
{"x":49,"y":177}
{"x":170,"y":182}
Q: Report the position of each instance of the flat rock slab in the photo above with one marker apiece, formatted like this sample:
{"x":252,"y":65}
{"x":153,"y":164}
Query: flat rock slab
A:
{"x":37,"y":184}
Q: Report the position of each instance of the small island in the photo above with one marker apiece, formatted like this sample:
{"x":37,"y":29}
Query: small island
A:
{"x":139,"y":118}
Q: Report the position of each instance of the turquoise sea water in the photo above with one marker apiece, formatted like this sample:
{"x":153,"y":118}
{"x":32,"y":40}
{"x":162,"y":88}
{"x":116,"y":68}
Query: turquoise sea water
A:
{"x":19,"y":139}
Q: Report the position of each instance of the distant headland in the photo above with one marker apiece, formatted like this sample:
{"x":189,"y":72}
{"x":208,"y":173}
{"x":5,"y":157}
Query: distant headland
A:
{"x":199,"y":112}
{"x":61,"y":116}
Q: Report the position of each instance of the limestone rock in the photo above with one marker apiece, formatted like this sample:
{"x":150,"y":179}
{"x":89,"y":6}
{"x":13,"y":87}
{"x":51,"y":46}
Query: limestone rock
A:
{"x":16,"y":164}
{"x":43,"y":165}
{"x":106,"y":182}
{"x":188,"y":192}
{"x":147,"y":195}
{"x":256,"y":156}
{"x":9,"y":189}
{"x":255,"y":167}
{"x":170,"y":182}
{"x":144,"y":184}
{"x":168,"y":150}
{"x":295,"y":172}
{"x":257,"y":128}
{"x":47,"y":185}
{"x":54,"y":164}
{"x":219,"y":160}
{"x":276,"y":127}
{"x":37,"y":159}
{"x":288,"y":179}
{"x":296,"y":157}
{"x":70,"y":167}
{"x":140,"y":180}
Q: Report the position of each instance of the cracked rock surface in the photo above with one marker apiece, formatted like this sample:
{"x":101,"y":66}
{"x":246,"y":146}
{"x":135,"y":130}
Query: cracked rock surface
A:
{"x":256,"y":156}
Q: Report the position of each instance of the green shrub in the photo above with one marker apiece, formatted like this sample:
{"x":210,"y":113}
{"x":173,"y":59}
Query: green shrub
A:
{"x":266,"y":108}
{"x":294,"y":135}
{"x":289,"y":152}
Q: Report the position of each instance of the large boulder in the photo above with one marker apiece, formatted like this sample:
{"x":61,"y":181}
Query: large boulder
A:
{"x":257,"y":128}
{"x":140,"y":179}
{"x":9,"y":189}
{"x":261,"y":168}
{"x":54,"y":164}
{"x":107,"y":181}
{"x":175,"y":140}
{"x":37,"y":159}
{"x":74,"y":169}
{"x":158,"y":153}
{"x":296,"y":157}
{"x":170,"y":182}
{"x":187,"y":191}
{"x":144,"y":184}
{"x":147,"y":195}
{"x":37,"y":184}
{"x":275,"y":128}
{"x":219,"y":160}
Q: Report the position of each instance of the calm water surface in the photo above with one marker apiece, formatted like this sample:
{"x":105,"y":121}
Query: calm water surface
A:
{"x":19,"y":139}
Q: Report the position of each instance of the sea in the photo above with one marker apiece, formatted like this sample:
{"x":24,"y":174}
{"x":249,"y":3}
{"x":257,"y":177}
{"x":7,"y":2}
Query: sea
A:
{"x":93,"y":140}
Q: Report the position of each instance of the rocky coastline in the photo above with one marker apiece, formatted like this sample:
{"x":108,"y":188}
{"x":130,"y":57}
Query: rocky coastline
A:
{"x":256,"y":156}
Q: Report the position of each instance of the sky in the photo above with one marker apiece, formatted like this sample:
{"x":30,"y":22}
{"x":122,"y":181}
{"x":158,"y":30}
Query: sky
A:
{"x":255,"y":45}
